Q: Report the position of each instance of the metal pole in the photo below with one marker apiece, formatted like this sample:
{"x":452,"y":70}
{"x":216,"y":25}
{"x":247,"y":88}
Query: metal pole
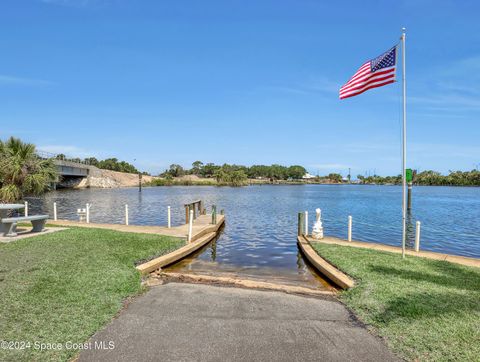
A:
{"x":26,"y":208}
{"x":417,"y":237}
{"x":404,"y":148}
{"x":55,"y":211}
{"x":409,"y":196}
{"x":169,"y":217}
{"x":87,"y":213}
{"x":349,"y":228}
{"x":126,"y":214}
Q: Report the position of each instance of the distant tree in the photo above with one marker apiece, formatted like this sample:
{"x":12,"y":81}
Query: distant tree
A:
{"x":228,"y":175}
{"x":60,"y":156}
{"x":258,"y":171}
{"x":197,"y":167}
{"x":91,"y":161}
{"x":209,"y":170}
{"x":115,"y":165}
{"x":335,"y":177}
{"x":296,"y":172}
{"x":176,"y":170}
{"x":278,"y":172}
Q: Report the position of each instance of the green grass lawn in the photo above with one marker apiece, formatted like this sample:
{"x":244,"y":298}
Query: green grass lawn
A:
{"x":66,"y":285}
{"x":425,"y":309}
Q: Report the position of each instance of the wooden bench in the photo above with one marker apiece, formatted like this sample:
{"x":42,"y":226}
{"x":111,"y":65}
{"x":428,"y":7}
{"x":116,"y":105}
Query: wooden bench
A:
{"x":10,"y":223}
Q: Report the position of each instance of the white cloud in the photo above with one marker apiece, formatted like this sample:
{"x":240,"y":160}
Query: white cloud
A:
{"x":453,"y":86}
{"x":312,"y":86}
{"x":12,"y":80}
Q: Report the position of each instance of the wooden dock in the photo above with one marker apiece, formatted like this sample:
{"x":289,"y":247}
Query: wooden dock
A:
{"x":203,"y":231}
{"x":201,"y":226}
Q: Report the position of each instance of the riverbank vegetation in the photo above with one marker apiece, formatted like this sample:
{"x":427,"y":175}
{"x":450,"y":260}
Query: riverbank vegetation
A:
{"x":66,"y":285}
{"x":427,"y":310}
{"x":22,"y":172}
{"x":226,"y":175}
{"x":428,"y":178}
{"x":210,"y":170}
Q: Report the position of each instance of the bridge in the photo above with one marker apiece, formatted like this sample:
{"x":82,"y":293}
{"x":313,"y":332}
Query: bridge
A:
{"x":69,"y":170}
{"x":72,"y":169}
{"x":67,"y":166}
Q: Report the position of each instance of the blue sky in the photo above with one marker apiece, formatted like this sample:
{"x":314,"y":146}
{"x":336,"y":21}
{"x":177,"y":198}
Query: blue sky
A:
{"x":247,"y":82}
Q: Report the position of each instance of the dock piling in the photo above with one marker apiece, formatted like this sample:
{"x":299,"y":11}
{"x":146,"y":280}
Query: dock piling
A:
{"x":349,"y":228}
{"x":306,"y":222}
{"x":126,"y":214}
{"x":55,"y":211}
{"x":196,"y":207}
{"x":417,"y":236}
{"x":214,"y":214}
{"x":169,"y":217}
{"x":190,"y":226}
{"x":300,"y":223}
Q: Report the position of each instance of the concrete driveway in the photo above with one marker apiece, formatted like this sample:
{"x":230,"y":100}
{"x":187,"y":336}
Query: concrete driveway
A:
{"x":193,"y":322}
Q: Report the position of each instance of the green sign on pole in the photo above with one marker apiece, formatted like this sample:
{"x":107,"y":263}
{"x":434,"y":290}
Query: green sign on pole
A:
{"x":409,"y":174}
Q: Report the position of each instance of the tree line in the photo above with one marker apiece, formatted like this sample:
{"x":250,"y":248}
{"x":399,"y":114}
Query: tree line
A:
{"x":429,"y":178}
{"x":237,"y":172}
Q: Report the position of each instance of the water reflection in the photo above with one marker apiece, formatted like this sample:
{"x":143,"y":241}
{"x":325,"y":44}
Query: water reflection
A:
{"x":410,"y":235}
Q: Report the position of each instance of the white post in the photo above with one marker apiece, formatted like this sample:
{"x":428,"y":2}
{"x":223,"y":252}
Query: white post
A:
{"x":169,"y":217}
{"x":306,"y":223}
{"x":404,"y":148}
{"x":87,"y":210}
{"x":349,"y":228}
{"x":190,"y":225}
{"x":126,"y":214}
{"x":55,"y":211}
{"x":26,"y":208}
{"x":417,"y":237}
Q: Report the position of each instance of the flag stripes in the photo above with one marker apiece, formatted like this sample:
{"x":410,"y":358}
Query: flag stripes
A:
{"x":372,"y":74}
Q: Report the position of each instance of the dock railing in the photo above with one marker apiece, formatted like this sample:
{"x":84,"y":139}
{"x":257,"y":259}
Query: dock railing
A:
{"x":196,"y":207}
{"x":302,"y":227}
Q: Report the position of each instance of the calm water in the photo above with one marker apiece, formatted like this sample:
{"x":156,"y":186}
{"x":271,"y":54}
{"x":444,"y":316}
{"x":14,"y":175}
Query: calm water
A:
{"x":259,"y":238}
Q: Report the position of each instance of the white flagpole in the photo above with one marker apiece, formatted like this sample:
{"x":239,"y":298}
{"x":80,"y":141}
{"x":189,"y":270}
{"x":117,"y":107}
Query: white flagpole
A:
{"x":404,"y":149}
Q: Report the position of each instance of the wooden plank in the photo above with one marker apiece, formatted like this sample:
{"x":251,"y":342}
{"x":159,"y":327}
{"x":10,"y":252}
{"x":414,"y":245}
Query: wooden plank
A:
{"x":323,"y":266}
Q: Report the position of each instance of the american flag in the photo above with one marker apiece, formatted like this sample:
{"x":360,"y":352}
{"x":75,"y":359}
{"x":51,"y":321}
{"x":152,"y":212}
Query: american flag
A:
{"x":374,"y":73}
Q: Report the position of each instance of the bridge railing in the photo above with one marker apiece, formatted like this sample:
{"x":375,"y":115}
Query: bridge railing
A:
{"x":46,"y":155}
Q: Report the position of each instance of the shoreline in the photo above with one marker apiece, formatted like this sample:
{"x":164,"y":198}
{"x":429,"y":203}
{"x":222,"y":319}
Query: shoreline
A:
{"x":286,"y":183}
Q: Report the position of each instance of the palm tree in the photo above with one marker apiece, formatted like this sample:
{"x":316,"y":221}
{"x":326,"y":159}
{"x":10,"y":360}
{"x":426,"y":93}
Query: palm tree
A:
{"x":22,"y":172}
